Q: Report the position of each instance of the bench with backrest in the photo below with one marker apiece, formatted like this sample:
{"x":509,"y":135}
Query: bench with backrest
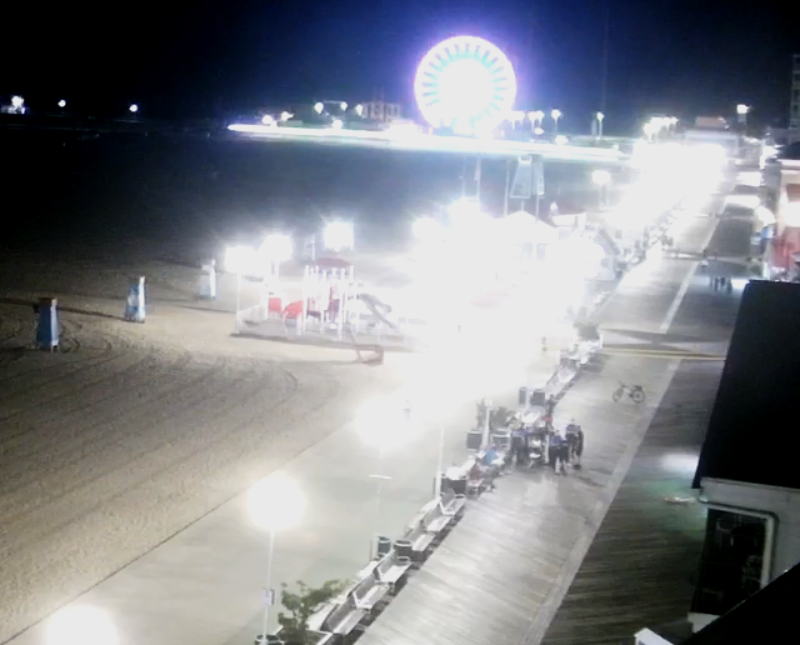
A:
{"x":369,"y":592}
{"x":419,"y":539}
{"x":392,"y":568}
{"x":343,"y":619}
{"x":436,"y":520}
{"x":452,"y":503}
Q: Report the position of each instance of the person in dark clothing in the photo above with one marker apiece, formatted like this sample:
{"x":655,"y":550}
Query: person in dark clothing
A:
{"x":522,"y":448}
{"x":558,"y":453}
{"x":575,"y":442}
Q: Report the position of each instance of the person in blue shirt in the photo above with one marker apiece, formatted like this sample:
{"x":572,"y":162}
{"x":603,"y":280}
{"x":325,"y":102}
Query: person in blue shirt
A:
{"x":490,"y":456}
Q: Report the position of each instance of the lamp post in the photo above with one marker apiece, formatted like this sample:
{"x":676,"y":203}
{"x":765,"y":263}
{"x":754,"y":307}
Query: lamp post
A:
{"x":383,"y":424}
{"x":81,"y":626}
{"x":274,"y":504}
{"x":555,"y":115}
{"x":338,"y":236}
{"x":600,"y":117}
{"x":601,"y":179}
{"x":239,"y":260}
{"x":742,"y":111}
{"x":274,"y":251}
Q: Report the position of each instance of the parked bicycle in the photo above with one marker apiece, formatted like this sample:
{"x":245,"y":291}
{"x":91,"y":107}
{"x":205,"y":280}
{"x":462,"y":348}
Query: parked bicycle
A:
{"x":634,"y":392}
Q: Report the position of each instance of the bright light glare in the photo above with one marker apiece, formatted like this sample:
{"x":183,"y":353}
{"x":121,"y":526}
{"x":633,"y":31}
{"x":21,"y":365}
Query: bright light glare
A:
{"x":360,"y":110}
{"x":464,"y":85}
{"x":561,"y":140}
{"x":680,"y":463}
{"x":338,"y":236}
{"x":241,"y":260}
{"x":464,"y":208}
{"x":81,"y":626}
{"x":601,"y":177}
{"x":275,"y":504}
{"x":426,"y":229}
{"x":62,"y":103}
{"x":285,"y":116}
{"x":337,"y":124}
{"x":276,"y":248}
{"x":383,"y":423}
{"x":465,"y":82}
{"x":17,"y":102}
{"x":267,"y":120}
{"x":555,"y":115}
{"x":133,"y":109}
{"x":318,"y":108}
{"x":742,"y":109}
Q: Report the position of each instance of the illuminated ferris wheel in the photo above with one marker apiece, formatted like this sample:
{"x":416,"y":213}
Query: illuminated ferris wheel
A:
{"x":465,"y":83}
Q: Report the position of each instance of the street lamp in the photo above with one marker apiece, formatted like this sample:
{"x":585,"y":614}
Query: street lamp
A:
{"x":133,"y":108}
{"x":319,"y":107}
{"x":274,"y":504}
{"x":338,"y":236}
{"x":62,"y":103}
{"x":81,"y":626}
{"x":742,"y":111}
{"x":555,"y":115}
{"x":343,"y":105}
{"x":359,"y":110}
{"x":601,"y":179}
{"x":285,"y":116}
{"x":274,"y":251}
{"x":600,"y":117}
{"x":267,"y":120}
{"x":383,"y":424}
{"x":239,"y":260}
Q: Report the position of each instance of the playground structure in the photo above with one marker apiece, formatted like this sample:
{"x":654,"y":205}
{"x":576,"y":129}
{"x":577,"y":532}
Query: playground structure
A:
{"x":333,"y":308}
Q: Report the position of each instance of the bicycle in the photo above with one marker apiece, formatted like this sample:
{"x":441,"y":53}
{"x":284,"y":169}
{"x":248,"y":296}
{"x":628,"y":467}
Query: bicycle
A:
{"x":634,"y":392}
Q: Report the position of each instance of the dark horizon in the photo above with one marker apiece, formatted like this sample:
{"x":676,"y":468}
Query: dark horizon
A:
{"x":211,"y":59}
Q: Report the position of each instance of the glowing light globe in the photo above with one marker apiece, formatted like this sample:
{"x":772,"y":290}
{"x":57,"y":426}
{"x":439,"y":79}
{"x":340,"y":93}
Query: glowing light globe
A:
{"x":465,"y":83}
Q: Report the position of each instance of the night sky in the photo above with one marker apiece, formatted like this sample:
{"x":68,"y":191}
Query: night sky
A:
{"x":212,"y":59}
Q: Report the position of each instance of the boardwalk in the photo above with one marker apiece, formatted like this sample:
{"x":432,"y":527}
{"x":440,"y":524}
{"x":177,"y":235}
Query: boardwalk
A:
{"x":500,"y":576}
{"x":639,"y":569}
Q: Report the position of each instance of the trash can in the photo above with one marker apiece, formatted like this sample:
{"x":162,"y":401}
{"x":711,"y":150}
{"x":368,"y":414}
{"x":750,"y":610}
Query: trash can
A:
{"x":458,"y":486}
{"x":538,"y":397}
{"x":384,"y":546}
{"x":522,"y":397}
{"x":474,"y":439}
{"x":403,"y":548}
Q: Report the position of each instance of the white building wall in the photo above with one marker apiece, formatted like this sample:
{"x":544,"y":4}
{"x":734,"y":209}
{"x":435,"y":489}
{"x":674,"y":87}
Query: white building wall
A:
{"x":781,"y":503}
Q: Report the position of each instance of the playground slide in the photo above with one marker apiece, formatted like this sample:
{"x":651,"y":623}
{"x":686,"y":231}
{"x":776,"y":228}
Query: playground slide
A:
{"x":379,"y":309}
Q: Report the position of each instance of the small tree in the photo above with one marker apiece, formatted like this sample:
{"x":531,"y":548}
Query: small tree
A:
{"x":301,"y":605}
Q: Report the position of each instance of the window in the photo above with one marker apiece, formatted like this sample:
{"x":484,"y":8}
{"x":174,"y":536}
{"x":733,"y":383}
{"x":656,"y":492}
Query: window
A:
{"x":731,"y":563}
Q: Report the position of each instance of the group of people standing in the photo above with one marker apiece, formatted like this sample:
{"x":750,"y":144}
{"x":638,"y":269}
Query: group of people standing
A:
{"x":543,"y":444}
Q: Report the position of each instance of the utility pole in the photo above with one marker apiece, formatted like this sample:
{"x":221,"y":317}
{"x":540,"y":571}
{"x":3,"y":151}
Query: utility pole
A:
{"x":604,"y":72}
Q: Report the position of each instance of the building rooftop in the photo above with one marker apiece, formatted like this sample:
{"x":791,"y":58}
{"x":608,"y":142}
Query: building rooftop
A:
{"x":757,"y":398}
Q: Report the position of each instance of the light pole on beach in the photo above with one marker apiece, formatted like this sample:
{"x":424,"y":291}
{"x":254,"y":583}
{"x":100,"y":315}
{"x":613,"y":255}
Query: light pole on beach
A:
{"x":274,"y":504}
